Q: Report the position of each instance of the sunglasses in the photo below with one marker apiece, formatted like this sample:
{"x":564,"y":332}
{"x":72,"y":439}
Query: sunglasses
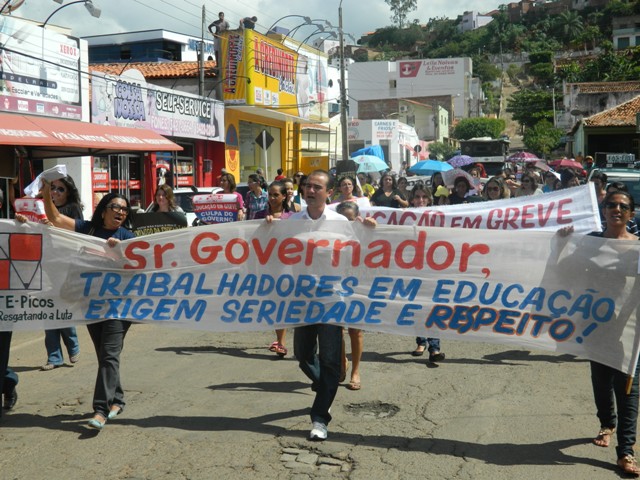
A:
{"x":624,"y":207}
{"x":58,"y":189}
{"x":117,"y":208}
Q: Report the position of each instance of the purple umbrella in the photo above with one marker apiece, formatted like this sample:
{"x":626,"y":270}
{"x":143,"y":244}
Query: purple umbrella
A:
{"x":460,"y":161}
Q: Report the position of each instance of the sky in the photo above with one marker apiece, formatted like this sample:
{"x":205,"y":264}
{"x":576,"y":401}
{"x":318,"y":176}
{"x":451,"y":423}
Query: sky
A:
{"x":185,"y":16}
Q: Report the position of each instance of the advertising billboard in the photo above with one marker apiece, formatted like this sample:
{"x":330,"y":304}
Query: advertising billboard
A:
{"x":128,"y":101}
{"x":39,"y":70}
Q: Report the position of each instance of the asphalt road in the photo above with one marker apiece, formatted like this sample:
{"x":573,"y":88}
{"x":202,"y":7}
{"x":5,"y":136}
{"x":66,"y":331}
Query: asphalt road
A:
{"x":209,"y":406}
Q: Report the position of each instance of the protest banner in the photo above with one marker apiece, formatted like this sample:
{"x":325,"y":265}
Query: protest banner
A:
{"x":216,"y":207}
{"x":550,"y":211}
{"x":149,"y":223}
{"x":576,"y":295}
{"x":32,"y":208}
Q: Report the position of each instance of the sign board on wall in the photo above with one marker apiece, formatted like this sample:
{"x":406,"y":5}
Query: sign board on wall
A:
{"x":260,"y":71}
{"x":128,"y":101}
{"x":39,"y":70}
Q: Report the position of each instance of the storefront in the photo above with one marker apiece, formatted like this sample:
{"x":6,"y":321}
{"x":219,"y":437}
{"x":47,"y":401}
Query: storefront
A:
{"x":192,"y":122}
{"x":117,"y":151}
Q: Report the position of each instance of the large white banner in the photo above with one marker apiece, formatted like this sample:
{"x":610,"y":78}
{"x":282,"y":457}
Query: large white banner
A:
{"x":577,"y":295}
{"x":576,"y":206}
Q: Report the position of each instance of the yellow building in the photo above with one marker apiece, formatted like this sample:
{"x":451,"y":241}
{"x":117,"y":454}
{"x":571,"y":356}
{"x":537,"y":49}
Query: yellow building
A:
{"x":270,"y":90}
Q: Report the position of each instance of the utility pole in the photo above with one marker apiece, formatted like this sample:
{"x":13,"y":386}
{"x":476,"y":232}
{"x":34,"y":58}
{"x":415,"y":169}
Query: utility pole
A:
{"x":201,"y":57}
{"x":343,"y":91}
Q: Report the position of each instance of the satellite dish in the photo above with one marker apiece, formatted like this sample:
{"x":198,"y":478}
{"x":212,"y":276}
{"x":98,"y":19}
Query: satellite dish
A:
{"x":10,"y":6}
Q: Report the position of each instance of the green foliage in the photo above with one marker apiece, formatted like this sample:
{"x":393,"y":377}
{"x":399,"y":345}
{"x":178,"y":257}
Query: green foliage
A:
{"x":400,"y":9}
{"x":360,"y":55}
{"x":441,"y":151}
{"x":541,"y":56}
{"x":528,"y":107}
{"x":542,"y":72}
{"x":542,"y":138}
{"x":479,"y":127}
{"x":485,"y":70}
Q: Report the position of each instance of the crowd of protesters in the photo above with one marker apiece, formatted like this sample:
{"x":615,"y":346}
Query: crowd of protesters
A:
{"x":321,"y":351}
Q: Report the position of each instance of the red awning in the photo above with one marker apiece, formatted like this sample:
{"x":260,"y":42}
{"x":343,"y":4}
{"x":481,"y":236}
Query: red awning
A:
{"x":50,"y":138}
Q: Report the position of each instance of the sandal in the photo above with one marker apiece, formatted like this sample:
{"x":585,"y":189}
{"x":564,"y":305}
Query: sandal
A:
{"x":629,"y":465}
{"x":115,"y":411}
{"x":604,"y":437}
{"x":354,"y":385}
{"x":273,"y":347}
{"x":280,"y":350}
{"x":74,"y":358}
{"x":48,"y":366}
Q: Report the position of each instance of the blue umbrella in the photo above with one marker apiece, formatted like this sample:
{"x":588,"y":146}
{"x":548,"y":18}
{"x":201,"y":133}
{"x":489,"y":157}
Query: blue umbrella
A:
{"x":370,"y":163}
{"x":429,"y":167}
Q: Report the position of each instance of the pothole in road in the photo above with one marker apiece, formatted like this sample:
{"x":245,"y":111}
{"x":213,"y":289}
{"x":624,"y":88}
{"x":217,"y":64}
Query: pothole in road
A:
{"x":372,"y":409}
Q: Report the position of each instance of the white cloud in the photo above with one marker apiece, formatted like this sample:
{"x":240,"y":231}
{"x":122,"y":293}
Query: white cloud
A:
{"x":184,"y":16}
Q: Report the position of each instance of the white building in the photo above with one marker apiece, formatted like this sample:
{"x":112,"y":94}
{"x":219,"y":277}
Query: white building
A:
{"x":473,"y":20}
{"x":418,"y":80}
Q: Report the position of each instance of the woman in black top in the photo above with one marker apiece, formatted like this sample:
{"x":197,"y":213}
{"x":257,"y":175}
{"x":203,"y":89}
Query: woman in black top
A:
{"x":388,"y":194}
{"x":108,"y":335}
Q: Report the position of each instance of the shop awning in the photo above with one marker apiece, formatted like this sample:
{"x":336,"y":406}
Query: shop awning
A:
{"x":52,"y":138}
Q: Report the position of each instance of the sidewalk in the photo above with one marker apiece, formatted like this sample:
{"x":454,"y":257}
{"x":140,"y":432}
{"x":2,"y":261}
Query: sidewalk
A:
{"x":203,"y":406}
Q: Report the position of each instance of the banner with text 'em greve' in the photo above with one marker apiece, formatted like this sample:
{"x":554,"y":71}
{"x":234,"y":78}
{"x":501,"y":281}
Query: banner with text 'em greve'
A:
{"x":576,"y":294}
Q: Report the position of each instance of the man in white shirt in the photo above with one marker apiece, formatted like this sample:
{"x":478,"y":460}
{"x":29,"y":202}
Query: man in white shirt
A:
{"x":324,"y":367}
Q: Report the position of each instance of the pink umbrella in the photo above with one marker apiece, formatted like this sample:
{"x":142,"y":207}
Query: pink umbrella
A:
{"x":523,"y":157}
{"x":566,"y":163}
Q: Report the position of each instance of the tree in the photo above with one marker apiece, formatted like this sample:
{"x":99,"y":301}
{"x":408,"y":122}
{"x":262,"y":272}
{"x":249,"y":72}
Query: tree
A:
{"x":479,"y":127}
{"x":570,"y":24}
{"x":400,"y":10}
{"x":543,"y":137}
{"x":440,"y":150}
{"x":528,"y":107}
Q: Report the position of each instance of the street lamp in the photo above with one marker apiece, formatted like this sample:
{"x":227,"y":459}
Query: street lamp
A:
{"x":343,"y":90}
{"x":306,"y":19}
{"x":93,"y":10}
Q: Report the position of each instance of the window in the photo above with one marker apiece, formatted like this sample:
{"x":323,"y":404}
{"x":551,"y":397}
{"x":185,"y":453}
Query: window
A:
{"x":623,"y":42}
{"x":393,"y":84}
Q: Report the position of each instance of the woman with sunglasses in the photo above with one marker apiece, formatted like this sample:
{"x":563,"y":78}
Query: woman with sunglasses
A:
{"x":528,"y":186}
{"x":495,"y":189}
{"x":610,"y":386}
{"x":66,"y":198}
{"x":108,"y":335}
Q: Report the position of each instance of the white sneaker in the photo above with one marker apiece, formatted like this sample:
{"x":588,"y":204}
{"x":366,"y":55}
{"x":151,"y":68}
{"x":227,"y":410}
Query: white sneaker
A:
{"x":318,"y":432}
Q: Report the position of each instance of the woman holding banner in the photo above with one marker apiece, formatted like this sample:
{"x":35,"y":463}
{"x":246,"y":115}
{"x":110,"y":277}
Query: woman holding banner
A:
{"x":612,"y":389}
{"x":66,"y":198}
{"x":278,"y":207}
{"x":228,"y":184}
{"x":421,"y":197}
{"x":108,"y":335}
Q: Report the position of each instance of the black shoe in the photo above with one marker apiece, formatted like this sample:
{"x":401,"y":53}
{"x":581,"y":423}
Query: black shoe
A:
{"x":436,"y":357}
{"x":10,"y":399}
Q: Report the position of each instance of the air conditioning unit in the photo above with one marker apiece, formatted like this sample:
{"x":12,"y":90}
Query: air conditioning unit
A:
{"x":403,"y":109}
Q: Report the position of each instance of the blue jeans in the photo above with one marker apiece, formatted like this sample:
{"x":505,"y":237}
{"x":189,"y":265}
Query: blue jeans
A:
{"x":318,"y":349}
{"x":434,"y":343}
{"x":54,"y":347}
{"x":609,"y":392}
{"x":108,"y":340}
